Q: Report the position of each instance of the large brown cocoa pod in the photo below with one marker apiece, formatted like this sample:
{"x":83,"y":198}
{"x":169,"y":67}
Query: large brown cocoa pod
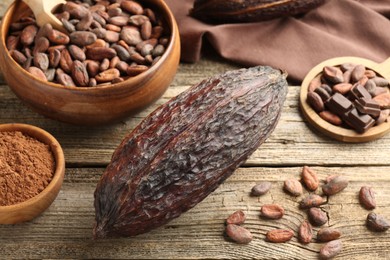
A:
{"x":185,"y":149}
{"x":230,"y":11}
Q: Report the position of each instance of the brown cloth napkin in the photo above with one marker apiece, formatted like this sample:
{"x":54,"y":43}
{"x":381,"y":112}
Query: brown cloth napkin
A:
{"x":295,"y":44}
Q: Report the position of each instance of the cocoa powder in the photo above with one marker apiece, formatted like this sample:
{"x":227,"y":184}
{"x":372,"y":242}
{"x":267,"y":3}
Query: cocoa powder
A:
{"x":26,"y":167}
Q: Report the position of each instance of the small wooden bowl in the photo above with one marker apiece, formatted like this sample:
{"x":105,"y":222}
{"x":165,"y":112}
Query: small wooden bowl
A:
{"x":31,"y":208}
{"x":337,"y":132}
{"x":97,"y":105}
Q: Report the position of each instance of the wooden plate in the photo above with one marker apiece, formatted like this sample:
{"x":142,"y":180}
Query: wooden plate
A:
{"x":336,"y":132}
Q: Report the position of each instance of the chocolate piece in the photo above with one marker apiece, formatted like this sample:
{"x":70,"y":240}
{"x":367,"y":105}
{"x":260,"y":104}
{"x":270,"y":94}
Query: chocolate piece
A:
{"x":339,"y":104}
{"x":358,"y":91}
{"x":361,"y":123}
{"x":368,"y":106}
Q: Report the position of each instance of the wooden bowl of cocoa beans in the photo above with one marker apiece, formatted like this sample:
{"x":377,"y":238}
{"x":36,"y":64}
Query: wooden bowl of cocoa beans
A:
{"x":113,"y":60}
{"x":32,"y":168}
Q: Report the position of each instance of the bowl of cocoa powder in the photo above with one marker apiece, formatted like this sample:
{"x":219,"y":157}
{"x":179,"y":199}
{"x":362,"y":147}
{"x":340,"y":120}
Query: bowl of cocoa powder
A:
{"x":32,"y":168}
{"x":113,"y":59}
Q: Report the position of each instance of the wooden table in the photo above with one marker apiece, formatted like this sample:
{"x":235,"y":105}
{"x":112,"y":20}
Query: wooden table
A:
{"x":65,"y":229}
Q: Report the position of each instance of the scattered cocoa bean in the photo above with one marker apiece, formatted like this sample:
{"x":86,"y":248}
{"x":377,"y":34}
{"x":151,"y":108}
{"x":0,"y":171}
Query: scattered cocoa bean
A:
{"x":236,"y":218}
{"x":261,"y":188}
{"x":312,"y":200}
{"x":239,"y":234}
{"x":317,"y":217}
{"x":293,"y":186}
{"x":331,"y":249}
{"x":309,"y":178}
{"x":377,"y":222}
{"x":305,"y":232}
{"x":335,"y":185}
{"x":279,"y":235}
{"x":367,"y":197}
{"x":271,"y":211}
{"x":328,"y":234}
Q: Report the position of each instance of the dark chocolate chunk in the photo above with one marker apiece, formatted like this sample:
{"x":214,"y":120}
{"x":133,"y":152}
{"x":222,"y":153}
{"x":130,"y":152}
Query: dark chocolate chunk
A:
{"x":361,"y":123}
{"x":358,"y":91}
{"x":368,"y":106}
{"x":339,"y":104}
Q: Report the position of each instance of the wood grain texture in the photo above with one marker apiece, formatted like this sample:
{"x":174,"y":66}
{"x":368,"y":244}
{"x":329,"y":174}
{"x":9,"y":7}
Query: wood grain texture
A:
{"x":65,"y":230}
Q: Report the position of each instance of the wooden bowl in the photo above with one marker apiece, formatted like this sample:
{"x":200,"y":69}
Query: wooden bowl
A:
{"x":96,"y":105}
{"x":337,"y":132}
{"x":31,"y":208}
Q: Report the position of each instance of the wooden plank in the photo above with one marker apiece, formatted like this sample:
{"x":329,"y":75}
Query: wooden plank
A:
{"x":290,"y":144}
{"x":65,"y":229}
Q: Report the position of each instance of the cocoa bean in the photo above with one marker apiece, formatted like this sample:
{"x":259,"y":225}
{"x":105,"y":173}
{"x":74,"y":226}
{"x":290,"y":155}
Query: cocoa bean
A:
{"x":322,"y":93}
{"x":383,"y":116}
{"x":317,"y":217}
{"x":138,"y":20}
{"x":312,"y":200}
{"x":370,"y":86}
{"x":13,"y":42}
{"x":113,"y":28}
{"x":358,"y":73}
{"x":77,"y":53}
{"x":117,"y":80}
{"x":150,"y":14}
{"x":18,"y":56}
{"x":113,"y":62}
{"x":335,"y":185}
{"x":92,"y":82}
{"x":279,"y":235}
{"x":367,"y":197}
{"x":44,"y":31}
{"x":131,"y":35}
{"x":82,"y":38}
{"x":134,"y":70}
{"x":347,"y":76}
{"x":54,"y":58}
{"x":85,"y":22}
{"x":104,"y":65}
{"x":271,"y":211}
{"x":100,"y":53}
{"x":28,"y":34}
{"x":328,"y":234}
{"x":97,"y":43}
{"x":333,"y":74}
{"x":293,"y":186}
{"x":68,"y":26}
{"x":305,"y":232}
{"x":146,"y":30}
{"x":261,"y":188}
{"x":66,"y":61}
{"x":381,"y":82}
{"x":58,"y":37}
{"x":138,"y":58}
{"x":41,"y":61}
{"x":41,"y":45}
{"x":107,"y":75}
{"x":38,"y":73}
{"x":377,"y":223}
{"x":315,"y":83}
{"x":158,"y":50}
{"x":112,"y":36}
{"x":146,"y":50}
{"x":236,"y":218}
{"x":132,"y":7}
{"x":64,"y":79}
{"x":347,"y":67}
{"x":331,"y":249}
{"x":383,"y":100}
{"x":157,"y":31}
{"x":113,"y":12}
{"x":50,"y":74}
{"x":80,"y":74}
{"x":122,"y":52}
{"x":75,"y":10}
{"x":118,"y":20}
{"x":93,"y":68}
{"x":238,"y":234}
{"x":315,"y":101}
{"x":330,"y":117}
{"x":342,"y":88}
{"x":309,"y":178}
{"x":370,"y":74}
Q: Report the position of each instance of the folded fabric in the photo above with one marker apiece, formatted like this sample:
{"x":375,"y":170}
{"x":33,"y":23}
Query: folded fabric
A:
{"x":296,"y":44}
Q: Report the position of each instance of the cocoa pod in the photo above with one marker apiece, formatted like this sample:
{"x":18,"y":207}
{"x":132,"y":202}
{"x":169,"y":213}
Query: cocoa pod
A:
{"x":225,"y":11}
{"x":185,"y":149}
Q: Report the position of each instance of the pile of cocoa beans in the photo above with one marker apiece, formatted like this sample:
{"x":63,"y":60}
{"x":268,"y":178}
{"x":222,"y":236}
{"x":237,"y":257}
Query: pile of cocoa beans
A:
{"x":105,"y":42}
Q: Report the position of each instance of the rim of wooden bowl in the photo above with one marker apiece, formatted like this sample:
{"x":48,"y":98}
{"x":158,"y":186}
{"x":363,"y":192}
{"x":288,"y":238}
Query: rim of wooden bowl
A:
{"x":9,"y":214}
{"x":174,"y":34}
{"x":337,"y":132}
